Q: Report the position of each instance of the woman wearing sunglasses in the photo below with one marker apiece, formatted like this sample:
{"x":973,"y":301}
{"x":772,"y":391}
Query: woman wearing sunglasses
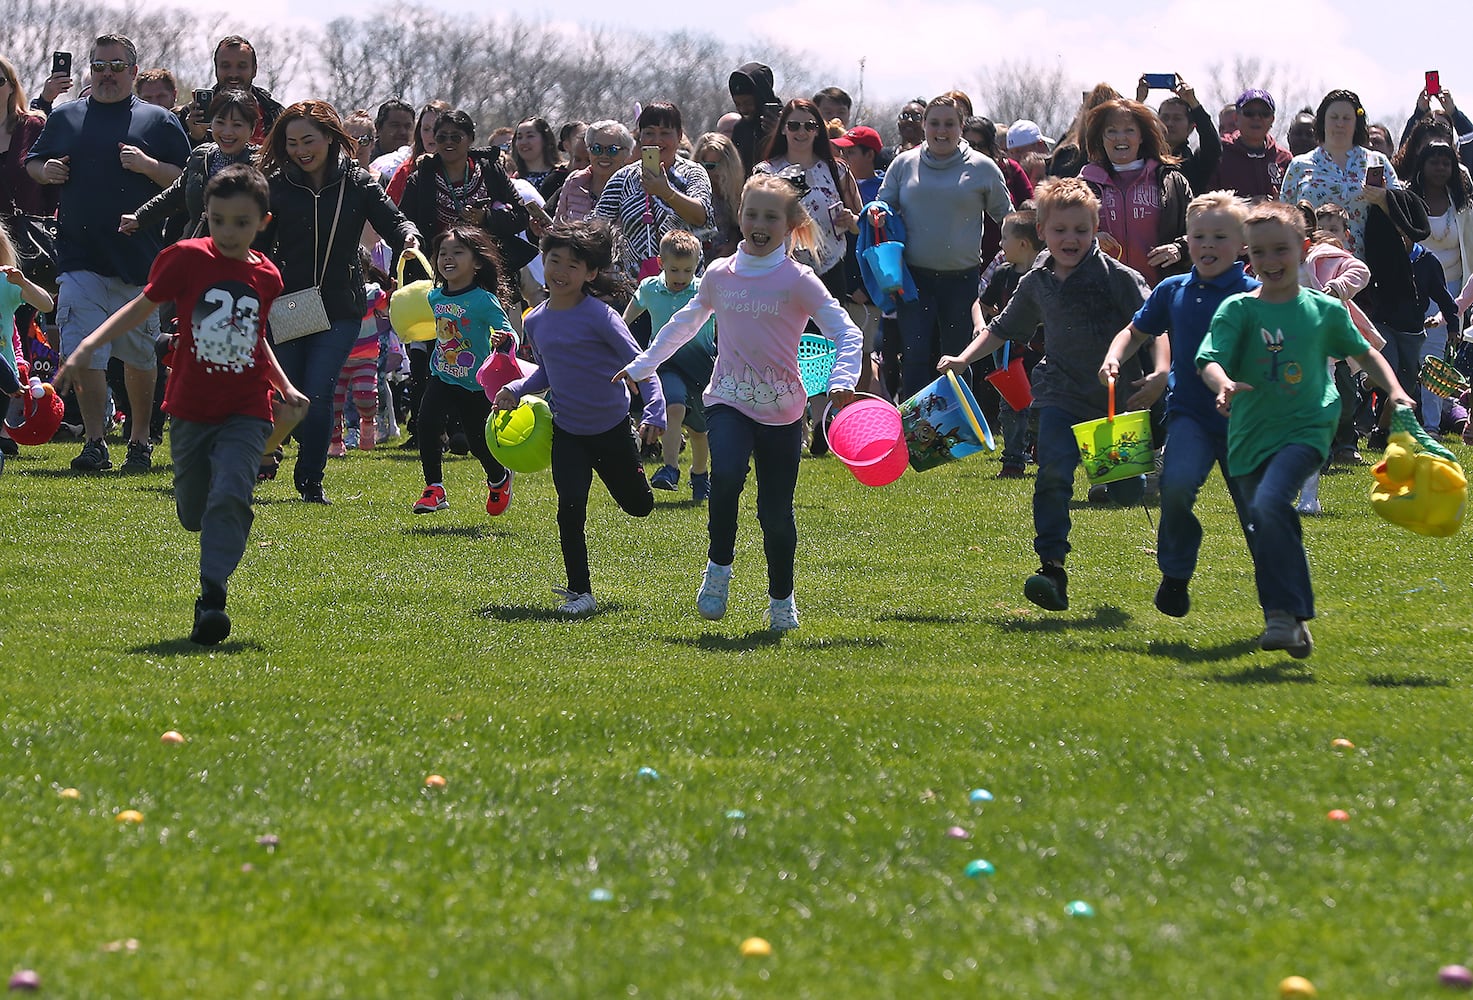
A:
{"x":610,"y":146}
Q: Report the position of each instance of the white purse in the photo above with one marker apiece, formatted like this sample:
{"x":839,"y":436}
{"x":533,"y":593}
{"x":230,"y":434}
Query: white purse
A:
{"x":302,"y":313}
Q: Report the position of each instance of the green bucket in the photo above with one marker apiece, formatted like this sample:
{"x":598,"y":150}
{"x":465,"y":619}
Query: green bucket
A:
{"x":1117,"y":447}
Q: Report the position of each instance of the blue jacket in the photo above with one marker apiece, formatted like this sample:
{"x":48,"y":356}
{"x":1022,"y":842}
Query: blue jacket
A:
{"x":895,"y":232}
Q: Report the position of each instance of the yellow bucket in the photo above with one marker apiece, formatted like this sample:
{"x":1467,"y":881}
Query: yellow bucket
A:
{"x":410,"y":313}
{"x":1116,"y":448}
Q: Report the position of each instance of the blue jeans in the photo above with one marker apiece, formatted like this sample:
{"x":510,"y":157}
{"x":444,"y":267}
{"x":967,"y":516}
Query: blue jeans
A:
{"x":1013,"y":424}
{"x":943,"y":300}
{"x":737,"y":439}
{"x":1058,"y":457}
{"x":313,"y":364}
{"x":1434,"y":345}
{"x":1280,"y":565}
{"x":1191,"y":451}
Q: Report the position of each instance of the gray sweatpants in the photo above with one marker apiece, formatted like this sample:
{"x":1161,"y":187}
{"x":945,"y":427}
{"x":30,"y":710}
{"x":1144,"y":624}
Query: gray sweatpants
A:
{"x":214,"y":473}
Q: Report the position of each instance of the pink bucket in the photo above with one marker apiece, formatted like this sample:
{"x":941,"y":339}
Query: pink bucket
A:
{"x":867,"y":437}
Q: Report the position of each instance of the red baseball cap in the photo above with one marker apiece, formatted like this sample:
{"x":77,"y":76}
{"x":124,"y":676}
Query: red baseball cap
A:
{"x":860,"y":135}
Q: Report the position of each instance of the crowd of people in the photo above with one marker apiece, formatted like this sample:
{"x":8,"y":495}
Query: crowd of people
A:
{"x":227,"y":262}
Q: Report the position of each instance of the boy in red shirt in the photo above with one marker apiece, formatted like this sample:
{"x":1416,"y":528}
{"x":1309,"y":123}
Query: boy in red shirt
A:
{"x":219,"y":391}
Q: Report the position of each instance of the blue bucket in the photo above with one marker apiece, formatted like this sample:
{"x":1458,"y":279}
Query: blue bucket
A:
{"x":943,"y":423}
{"x":888,"y":262}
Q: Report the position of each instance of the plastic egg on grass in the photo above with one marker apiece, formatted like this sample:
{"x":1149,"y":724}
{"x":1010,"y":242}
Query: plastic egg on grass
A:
{"x":172,"y":737}
{"x":1337,"y":816}
{"x":270,"y":841}
{"x":1294,"y":987}
{"x":435,"y":781}
{"x":1456,"y":977}
{"x":1079,"y":908}
{"x":979,"y":795}
{"x":648,"y":774}
{"x":70,"y":793}
{"x":756,"y":947}
{"x":979,"y":868}
{"x":129,"y":816}
{"x":600,"y":896}
{"x":735,"y":814}
{"x":957,"y":833}
{"x":26,"y":980}
{"x":1342,"y":744}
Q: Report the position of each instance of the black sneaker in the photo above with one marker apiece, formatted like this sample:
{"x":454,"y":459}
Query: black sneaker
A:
{"x":312,"y":493}
{"x":1048,"y":588}
{"x":459,"y":444}
{"x":211,"y":626}
{"x":9,"y":447}
{"x":1172,"y":597}
{"x":94,"y":457}
{"x":140,"y":457}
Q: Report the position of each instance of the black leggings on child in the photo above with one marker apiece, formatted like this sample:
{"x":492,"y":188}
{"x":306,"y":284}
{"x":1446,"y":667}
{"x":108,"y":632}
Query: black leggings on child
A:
{"x":614,"y":455}
{"x":440,"y":401}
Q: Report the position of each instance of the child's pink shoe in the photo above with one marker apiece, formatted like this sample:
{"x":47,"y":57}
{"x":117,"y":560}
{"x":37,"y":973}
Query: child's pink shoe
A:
{"x":336,"y":449}
{"x":367,"y":433}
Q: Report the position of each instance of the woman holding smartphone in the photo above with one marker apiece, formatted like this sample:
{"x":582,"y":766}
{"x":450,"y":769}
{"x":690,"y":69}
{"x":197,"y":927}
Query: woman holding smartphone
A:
{"x":1342,"y":169}
{"x":657,"y":192}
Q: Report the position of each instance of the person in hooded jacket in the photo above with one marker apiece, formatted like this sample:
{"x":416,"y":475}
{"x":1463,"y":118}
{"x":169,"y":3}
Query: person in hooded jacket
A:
{"x":309,"y":163}
{"x":754,"y":99}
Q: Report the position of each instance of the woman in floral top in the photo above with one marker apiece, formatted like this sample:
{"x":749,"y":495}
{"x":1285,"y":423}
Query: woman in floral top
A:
{"x":1336,"y":170}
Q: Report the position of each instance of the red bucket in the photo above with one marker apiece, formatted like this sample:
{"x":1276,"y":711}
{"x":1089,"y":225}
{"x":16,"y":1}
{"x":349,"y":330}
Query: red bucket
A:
{"x":868,"y":438}
{"x":1011,"y":381}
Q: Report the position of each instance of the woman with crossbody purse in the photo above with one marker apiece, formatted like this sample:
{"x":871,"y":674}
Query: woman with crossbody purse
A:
{"x":320,"y":199}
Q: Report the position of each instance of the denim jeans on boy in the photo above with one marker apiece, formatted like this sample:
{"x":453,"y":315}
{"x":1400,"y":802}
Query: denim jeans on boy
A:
{"x":776,"y":451}
{"x":1280,"y":564}
{"x":313,"y":364}
{"x":943,"y":300}
{"x":1403,"y":352}
{"x":214,"y":475}
{"x":1014,"y":427}
{"x":1058,"y":457}
{"x":1191,"y":451}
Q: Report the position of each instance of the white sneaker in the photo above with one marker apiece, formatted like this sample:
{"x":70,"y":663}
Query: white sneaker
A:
{"x":712,"y":597}
{"x":1282,"y":631}
{"x":782,"y":615}
{"x":575,"y":604}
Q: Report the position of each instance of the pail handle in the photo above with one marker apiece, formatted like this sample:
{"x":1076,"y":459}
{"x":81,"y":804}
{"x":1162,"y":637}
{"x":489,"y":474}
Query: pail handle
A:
{"x":1111,"y":392}
{"x":1007,"y":349}
{"x":419,"y":258}
{"x":867,"y":395}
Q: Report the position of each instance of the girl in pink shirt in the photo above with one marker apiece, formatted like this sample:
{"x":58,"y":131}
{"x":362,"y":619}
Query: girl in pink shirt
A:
{"x":762,"y":299}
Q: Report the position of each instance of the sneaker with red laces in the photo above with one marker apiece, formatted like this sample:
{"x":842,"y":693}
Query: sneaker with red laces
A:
{"x":432,"y":501}
{"x":498,"y":496}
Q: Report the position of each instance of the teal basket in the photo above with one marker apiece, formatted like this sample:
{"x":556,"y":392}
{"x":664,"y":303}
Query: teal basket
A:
{"x":816,"y":363}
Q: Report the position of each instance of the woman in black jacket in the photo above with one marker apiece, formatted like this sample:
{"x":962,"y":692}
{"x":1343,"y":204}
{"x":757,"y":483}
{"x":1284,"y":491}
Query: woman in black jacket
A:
{"x":309,"y":161}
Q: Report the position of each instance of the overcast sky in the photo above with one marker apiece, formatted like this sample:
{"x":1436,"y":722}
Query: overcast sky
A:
{"x":922,"y":47}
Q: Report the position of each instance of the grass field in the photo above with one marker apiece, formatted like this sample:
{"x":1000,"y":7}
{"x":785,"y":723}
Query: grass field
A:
{"x":1164,"y":771}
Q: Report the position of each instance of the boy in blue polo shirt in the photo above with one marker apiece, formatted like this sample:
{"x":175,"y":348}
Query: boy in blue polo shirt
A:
{"x":1196,"y":433}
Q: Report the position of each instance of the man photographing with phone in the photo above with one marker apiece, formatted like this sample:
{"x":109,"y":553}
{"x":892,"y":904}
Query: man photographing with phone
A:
{"x":1181,"y":114}
{"x":235,"y":66}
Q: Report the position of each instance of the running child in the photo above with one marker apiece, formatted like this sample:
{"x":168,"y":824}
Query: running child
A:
{"x":219,"y":391}
{"x":1265,"y":358}
{"x":1196,"y":434}
{"x":469,"y":325}
{"x":577,"y":339}
{"x":1020,"y":248}
{"x":686,"y":373}
{"x":1083,"y":297}
{"x":762,"y":299}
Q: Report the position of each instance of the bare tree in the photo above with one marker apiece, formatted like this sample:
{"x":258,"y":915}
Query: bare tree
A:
{"x":1012,"y":90}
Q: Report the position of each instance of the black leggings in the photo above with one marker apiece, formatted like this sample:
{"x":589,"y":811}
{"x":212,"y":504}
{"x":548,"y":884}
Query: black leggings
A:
{"x":439,"y":402}
{"x":614,"y":455}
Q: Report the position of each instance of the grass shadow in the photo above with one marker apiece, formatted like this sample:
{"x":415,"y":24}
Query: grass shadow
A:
{"x":476,"y":531}
{"x":1187,"y":653}
{"x":184,"y":647}
{"x":1266,"y":673}
{"x":921,"y":618}
{"x":1104,"y":617}
{"x":745,"y":643}
{"x":1407,"y":681}
{"x":538,"y":613}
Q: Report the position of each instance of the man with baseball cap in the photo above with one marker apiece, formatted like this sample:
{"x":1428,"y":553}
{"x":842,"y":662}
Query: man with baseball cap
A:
{"x":1026,"y":137}
{"x":1252,"y":163}
{"x":860,"y":147}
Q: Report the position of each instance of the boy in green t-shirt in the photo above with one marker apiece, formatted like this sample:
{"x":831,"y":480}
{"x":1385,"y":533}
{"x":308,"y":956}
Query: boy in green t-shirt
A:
{"x":1267,"y":358}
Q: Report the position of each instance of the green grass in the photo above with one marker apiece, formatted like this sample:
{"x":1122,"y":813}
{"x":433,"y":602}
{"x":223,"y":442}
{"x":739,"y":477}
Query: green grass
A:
{"x":1163,"y":770}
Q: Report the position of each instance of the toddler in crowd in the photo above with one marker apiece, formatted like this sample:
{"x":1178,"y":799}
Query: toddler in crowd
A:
{"x":762,"y":299}
{"x":577,"y":340}
{"x":686,"y":373}
{"x":469,"y":325}
{"x":1083,"y":298}
{"x":1196,"y":434}
{"x":1020,"y":248}
{"x":219,"y":391}
{"x":359,"y":378}
{"x":1265,"y":358}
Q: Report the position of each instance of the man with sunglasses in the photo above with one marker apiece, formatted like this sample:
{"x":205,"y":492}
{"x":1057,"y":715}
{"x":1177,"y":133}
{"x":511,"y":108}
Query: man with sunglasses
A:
{"x":1252,"y":164}
{"x":109,"y":153}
